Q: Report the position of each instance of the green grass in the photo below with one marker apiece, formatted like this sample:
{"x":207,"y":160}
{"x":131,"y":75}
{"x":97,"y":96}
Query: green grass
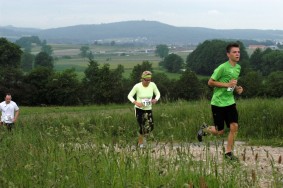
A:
{"x":259,"y":119}
{"x":80,"y":64}
{"x":67,"y":56}
{"x":94,"y":146}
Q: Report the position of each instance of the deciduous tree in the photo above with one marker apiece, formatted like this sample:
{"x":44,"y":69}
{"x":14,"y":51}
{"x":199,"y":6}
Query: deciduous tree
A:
{"x":173,"y":63}
{"x":188,"y":87}
{"x":26,"y":42}
{"x":135,"y":76}
{"x":63,"y":88}
{"x":10,"y":54}
{"x":47,"y":49}
{"x":162,"y":50}
{"x":27,"y":60}
{"x":252,"y":83}
{"x":37,"y":81}
{"x":211,"y":53}
{"x":42,"y":59}
{"x":274,"y":84}
{"x":103,"y":85}
{"x":84,"y":51}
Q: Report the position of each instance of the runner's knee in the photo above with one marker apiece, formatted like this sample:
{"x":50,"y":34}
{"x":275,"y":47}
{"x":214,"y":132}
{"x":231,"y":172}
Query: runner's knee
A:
{"x":233,"y":127}
{"x":220,"y":132}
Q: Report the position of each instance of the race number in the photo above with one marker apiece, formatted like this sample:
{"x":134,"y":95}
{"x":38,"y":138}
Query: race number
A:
{"x":146,"y":102}
{"x":230,"y":89}
{"x":7,"y":118}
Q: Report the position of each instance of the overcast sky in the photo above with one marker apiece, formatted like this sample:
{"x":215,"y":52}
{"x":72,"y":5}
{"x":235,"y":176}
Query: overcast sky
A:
{"x":216,"y":14}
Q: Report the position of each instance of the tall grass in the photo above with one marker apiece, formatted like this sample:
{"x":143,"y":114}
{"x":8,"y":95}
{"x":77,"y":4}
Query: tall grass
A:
{"x":95,"y":146}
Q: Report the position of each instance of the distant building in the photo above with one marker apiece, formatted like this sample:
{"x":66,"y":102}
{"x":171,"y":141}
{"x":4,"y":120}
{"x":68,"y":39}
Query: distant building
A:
{"x":253,"y":47}
{"x":273,"y":47}
{"x":263,"y":47}
{"x":149,"y":50}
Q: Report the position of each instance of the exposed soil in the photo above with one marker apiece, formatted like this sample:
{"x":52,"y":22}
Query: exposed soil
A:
{"x":261,"y":162}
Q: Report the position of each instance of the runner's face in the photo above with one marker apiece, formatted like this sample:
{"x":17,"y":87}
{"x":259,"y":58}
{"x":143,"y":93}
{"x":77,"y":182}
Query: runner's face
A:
{"x":8,"y":99}
{"x":146,"y":81}
{"x":234,"y":54}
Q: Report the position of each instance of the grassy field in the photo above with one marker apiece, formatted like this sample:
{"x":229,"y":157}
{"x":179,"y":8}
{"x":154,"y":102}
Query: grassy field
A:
{"x":80,"y":64}
{"x":95,"y":146}
{"x":67,"y":56}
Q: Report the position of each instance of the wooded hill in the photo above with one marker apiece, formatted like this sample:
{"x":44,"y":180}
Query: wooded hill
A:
{"x":147,"y":32}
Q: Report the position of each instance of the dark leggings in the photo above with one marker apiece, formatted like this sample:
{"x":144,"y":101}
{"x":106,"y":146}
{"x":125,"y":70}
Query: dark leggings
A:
{"x":145,"y":120}
{"x":9,"y":126}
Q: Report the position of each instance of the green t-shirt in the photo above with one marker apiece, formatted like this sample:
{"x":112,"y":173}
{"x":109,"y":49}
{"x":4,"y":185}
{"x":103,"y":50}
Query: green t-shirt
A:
{"x":223,"y":96}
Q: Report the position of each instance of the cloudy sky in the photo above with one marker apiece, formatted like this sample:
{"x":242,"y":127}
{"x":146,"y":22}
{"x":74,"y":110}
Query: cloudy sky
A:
{"x":217,"y":14}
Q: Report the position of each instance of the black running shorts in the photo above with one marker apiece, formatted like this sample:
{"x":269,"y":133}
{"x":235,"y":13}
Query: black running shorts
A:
{"x":227,"y":114}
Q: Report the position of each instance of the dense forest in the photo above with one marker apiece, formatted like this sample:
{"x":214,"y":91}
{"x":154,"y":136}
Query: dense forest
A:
{"x":32,"y":80}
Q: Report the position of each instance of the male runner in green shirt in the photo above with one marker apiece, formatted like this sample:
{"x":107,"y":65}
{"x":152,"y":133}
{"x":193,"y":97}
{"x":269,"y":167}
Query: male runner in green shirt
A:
{"x":223,"y":106}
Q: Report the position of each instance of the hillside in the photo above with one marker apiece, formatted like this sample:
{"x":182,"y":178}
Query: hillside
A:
{"x":149,"y":32}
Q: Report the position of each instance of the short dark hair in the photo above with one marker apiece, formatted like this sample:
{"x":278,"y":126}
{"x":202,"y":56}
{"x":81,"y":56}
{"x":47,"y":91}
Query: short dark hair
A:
{"x":8,"y":94}
{"x":232,"y":45}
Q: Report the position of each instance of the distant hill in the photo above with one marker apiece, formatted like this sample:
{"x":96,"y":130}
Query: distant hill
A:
{"x":149,"y":32}
{"x":14,"y":33}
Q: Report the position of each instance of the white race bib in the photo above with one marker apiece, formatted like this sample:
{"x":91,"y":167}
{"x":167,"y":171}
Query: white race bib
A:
{"x":230,"y":89}
{"x":146,"y":102}
{"x":7,"y":118}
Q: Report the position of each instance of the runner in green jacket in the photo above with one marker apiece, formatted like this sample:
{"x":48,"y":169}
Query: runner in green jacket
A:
{"x":144,"y":92}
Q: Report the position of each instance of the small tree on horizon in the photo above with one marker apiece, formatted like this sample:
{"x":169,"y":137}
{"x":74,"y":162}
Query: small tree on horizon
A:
{"x":173,"y":63}
{"x":162,"y":50}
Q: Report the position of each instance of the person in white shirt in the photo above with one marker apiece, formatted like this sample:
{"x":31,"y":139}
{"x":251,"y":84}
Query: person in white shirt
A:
{"x":144,"y":92}
{"x":10,"y":112}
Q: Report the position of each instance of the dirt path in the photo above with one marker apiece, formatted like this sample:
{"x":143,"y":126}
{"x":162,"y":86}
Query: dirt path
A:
{"x":260,"y":161}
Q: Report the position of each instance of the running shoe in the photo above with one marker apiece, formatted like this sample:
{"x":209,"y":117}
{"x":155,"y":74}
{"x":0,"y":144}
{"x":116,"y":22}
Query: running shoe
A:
{"x":144,"y":141}
{"x":201,"y":133}
{"x":231,"y":156}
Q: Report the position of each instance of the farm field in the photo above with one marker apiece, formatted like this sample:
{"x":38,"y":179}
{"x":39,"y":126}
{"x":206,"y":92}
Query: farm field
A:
{"x":67,"y":56}
{"x":95,"y":146}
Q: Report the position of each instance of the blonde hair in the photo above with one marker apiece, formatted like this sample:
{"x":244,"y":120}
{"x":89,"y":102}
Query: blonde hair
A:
{"x":146,"y":74}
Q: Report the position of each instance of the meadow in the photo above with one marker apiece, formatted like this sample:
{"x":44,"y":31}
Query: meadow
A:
{"x":96,"y":146}
{"x":67,"y":56}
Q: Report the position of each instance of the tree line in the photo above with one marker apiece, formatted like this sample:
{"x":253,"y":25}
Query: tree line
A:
{"x":42,"y":85}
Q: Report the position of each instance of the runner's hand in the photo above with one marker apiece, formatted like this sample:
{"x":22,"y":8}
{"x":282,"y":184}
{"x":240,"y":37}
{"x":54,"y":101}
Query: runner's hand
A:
{"x":153,"y":101}
{"x":239,"y":89}
{"x":138,"y":104}
{"x":232,"y":83}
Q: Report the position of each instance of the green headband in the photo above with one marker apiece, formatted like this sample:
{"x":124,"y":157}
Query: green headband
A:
{"x":146,"y":76}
